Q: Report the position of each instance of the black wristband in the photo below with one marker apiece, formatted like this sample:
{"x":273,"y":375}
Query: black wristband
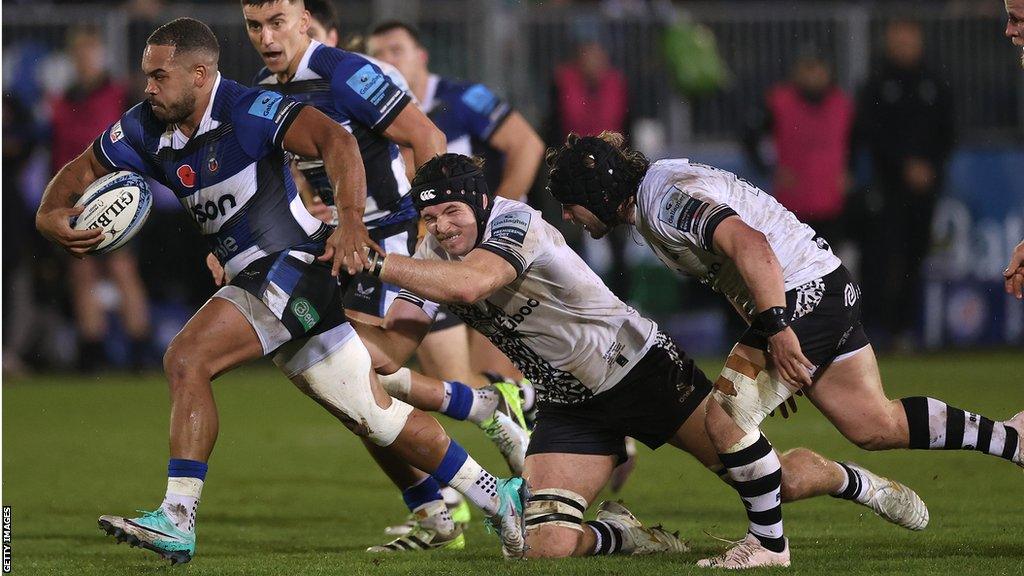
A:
{"x":770,"y":322}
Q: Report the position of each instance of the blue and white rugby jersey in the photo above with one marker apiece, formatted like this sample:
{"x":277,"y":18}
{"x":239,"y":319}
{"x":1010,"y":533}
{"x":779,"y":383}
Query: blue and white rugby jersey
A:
{"x":231,"y":176}
{"x":354,"y":91}
{"x":468,"y":114}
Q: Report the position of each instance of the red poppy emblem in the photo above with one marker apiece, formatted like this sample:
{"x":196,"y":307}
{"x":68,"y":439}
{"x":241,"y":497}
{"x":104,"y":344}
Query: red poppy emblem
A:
{"x":187,"y":175}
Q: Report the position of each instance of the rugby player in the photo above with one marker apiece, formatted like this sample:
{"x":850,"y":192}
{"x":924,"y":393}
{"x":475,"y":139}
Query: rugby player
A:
{"x":804,"y":313}
{"x":221,"y":148}
{"x":602,"y":372}
{"x":354,"y":91}
{"x":475,"y":121}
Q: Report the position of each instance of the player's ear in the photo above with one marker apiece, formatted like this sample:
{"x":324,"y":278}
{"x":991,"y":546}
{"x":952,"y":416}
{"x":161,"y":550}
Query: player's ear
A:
{"x":200,"y":75}
{"x":304,"y":21}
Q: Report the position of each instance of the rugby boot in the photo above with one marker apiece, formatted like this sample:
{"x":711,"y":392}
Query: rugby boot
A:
{"x":510,"y":522}
{"x":153,"y":531}
{"x":638,"y":540}
{"x":747,"y":553}
{"x":893,"y":501}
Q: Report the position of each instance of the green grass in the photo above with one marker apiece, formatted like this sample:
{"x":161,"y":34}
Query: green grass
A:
{"x":292,"y":492}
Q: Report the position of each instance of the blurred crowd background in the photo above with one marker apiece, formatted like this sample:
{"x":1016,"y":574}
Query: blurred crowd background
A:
{"x":896,"y":129}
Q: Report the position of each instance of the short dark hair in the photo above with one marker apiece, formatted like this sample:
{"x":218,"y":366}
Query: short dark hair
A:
{"x":186,"y":35}
{"x":265,"y":2}
{"x":389,"y":25}
{"x":324,"y":12}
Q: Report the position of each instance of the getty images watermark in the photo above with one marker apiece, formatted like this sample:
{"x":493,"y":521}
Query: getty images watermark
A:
{"x":7,"y":539}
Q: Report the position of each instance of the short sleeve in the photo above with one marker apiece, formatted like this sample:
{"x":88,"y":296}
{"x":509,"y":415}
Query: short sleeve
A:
{"x":262,"y":118}
{"x":482,"y":111}
{"x":516,"y":237}
{"x":692,"y":215}
{"x":365,"y":93}
{"x":119,"y":146}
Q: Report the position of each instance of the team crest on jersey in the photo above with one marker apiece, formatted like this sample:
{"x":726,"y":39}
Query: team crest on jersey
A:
{"x":186,"y":175}
{"x":679,"y":210}
{"x":211,"y":159}
{"x":116,"y":133}
{"x":511,"y":227}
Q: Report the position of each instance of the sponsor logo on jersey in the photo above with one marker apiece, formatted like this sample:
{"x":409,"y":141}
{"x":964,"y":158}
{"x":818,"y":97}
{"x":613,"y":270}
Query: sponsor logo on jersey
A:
{"x":428,"y":195}
{"x":364,"y":292}
{"x":213,"y":209}
{"x":479,"y":99}
{"x":850,"y":294}
{"x":116,"y":133}
{"x":186,"y":175}
{"x":225,"y":247}
{"x":367,"y":82}
{"x":305,"y":313}
{"x":511,"y":227}
{"x":680,"y":211}
{"x":265,"y":105}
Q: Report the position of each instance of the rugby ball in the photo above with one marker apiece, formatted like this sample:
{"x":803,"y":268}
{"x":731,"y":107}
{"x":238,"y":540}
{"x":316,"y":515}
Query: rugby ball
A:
{"x":118,"y":203}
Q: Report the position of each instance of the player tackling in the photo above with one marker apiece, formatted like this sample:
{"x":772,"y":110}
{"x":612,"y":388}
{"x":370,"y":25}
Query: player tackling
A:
{"x":602,"y":372}
{"x":804,"y":313}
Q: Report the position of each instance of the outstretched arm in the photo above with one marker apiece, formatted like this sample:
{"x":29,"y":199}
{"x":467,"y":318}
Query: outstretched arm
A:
{"x":313,"y":134}
{"x":476,"y":277}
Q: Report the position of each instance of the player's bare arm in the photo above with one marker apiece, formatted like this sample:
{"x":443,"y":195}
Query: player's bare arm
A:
{"x":315,"y":135}
{"x":1014,"y":273}
{"x":476,"y":277}
{"x":761,"y":272}
{"x":523,"y":151}
{"x":412,"y":129}
{"x":58,"y":205}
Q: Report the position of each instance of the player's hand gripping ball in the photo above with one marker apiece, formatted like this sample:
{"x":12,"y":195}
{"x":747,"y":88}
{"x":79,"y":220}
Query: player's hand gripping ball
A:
{"x":117,"y":203}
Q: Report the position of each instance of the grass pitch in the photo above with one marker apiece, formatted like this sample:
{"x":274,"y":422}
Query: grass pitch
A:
{"x":291,"y":492}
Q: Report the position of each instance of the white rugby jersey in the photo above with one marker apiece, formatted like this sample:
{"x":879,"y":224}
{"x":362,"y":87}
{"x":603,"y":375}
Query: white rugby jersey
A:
{"x":557,"y":321}
{"x":679,"y":205}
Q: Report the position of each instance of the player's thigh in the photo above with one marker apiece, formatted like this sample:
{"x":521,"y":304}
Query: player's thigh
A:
{"x":216,"y":339}
{"x":851,"y":396}
{"x":444,"y":354}
{"x":692,"y":437}
{"x":571,"y":477}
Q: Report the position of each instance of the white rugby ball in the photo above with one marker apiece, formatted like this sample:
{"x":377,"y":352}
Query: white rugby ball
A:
{"x":118,"y":203}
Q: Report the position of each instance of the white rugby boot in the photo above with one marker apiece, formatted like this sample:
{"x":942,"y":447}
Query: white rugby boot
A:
{"x":892,"y":501}
{"x":747,"y":553}
{"x":638,"y":540}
